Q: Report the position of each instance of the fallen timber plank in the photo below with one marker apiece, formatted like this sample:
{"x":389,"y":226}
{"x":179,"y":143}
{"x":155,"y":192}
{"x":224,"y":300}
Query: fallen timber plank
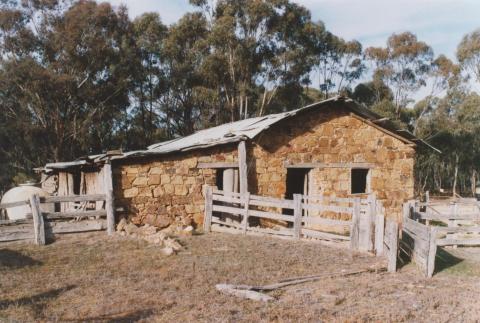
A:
{"x":74,"y":214}
{"x":73,"y":198}
{"x":72,"y":227}
{"x":13,"y":204}
{"x":237,"y":290}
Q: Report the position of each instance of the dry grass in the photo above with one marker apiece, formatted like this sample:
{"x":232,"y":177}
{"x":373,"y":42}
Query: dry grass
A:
{"x":90,"y":278}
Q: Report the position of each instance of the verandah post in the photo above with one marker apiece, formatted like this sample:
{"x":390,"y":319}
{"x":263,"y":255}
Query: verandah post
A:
{"x":109,"y":200}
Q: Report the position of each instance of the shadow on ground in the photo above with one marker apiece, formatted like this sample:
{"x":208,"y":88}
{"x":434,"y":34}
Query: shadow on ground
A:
{"x":123,"y":317}
{"x":38,"y":301}
{"x":15,"y":260}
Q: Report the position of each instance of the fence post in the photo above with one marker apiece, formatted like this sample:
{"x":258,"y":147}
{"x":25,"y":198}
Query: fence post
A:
{"x":38,"y":223}
{"x":392,"y":238}
{"x":109,"y":200}
{"x":379,"y":228}
{"x":297,"y":213}
{"x":354,"y":231}
{"x":207,"y":221}
{"x":432,"y":251}
{"x":245,"y":216}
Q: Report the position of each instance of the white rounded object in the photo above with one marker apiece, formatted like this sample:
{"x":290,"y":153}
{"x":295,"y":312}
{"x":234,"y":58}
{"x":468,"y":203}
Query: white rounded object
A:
{"x":23,"y":193}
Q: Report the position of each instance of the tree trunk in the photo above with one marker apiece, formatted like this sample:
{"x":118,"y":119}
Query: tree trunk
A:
{"x":455,"y":175}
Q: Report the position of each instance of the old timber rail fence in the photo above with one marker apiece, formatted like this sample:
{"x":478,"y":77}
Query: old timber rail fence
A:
{"x":354,"y":222}
{"x":432,"y":224}
{"x":39,"y":226}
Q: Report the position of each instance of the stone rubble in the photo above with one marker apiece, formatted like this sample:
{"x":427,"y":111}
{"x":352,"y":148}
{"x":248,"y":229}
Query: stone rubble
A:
{"x":163,"y":238}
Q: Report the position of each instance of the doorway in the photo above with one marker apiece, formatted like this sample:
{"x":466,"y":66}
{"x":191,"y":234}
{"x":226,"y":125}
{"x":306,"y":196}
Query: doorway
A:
{"x":297,"y":183}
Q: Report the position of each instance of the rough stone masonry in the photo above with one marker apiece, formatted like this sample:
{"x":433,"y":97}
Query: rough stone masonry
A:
{"x":167,"y":189}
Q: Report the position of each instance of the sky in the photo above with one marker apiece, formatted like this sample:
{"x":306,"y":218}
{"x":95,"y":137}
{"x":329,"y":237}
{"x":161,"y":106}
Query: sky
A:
{"x":440,"y":23}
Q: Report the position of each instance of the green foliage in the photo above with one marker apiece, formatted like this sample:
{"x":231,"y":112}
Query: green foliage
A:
{"x":80,"y":77}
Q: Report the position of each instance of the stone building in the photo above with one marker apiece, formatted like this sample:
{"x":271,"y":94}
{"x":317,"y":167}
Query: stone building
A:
{"x":334,"y":147}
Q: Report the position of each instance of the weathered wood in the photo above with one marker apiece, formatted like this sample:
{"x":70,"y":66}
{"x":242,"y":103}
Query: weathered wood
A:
{"x":392,"y":238}
{"x":326,"y":221}
{"x":15,"y":222}
{"x":228,"y":209}
{"x":242,"y":164}
{"x":432,"y":252}
{"x":379,"y":229}
{"x":354,"y":232}
{"x":324,"y":235}
{"x":243,"y":293}
{"x":464,"y":242}
{"x":297,"y":214}
{"x":13,"y":204}
{"x":246,"y":206}
{"x":327,"y":208}
{"x":109,"y":199}
{"x":74,"y":214}
{"x":329,"y":165}
{"x":217,"y":165}
{"x":465,"y":229}
{"x":271,"y":202}
{"x":73,"y":198}
{"x":75,"y":226}
{"x":38,"y":223}
{"x":207,"y":220}
{"x":17,"y":232}
{"x":271,"y":215}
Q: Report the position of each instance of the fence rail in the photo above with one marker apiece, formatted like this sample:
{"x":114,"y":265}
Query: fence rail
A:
{"x":354,"y":222}
{"x":39,"y":225}
{"x":428,"y":225}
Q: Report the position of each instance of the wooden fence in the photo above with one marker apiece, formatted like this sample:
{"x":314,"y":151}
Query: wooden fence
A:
{"x":38,"y":226}
{"x":427,"y":225}
{"x":354,"y":222}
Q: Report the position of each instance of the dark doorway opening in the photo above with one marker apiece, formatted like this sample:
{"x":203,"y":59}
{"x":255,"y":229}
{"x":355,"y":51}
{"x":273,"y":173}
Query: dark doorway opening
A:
{"x":359,"y":181}
{"x":297,"y":183}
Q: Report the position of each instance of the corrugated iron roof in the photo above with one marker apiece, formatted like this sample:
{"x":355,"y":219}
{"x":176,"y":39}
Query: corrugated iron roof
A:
{"x":241,"y":130}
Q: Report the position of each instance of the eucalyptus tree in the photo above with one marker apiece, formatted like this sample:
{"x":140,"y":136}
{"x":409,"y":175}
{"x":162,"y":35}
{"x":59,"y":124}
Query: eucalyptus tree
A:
{"x":338,"y":63}
{"x":67,"y":67}
{"x":403,"y":65}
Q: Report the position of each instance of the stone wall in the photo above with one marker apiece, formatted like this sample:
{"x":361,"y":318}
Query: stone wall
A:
{"x":334,"y":136}
{"x":167,"y":189}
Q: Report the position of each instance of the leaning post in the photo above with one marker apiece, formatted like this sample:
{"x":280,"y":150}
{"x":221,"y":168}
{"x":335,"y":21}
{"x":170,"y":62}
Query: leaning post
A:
{"x":38,"y":223}
{"x":242,"y":167}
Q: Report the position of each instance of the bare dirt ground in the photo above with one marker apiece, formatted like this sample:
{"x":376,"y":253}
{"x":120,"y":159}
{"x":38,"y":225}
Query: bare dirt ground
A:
{"x":92,"y":278}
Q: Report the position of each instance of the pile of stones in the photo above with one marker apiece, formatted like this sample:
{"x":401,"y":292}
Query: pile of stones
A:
{"x":163,"y":238}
